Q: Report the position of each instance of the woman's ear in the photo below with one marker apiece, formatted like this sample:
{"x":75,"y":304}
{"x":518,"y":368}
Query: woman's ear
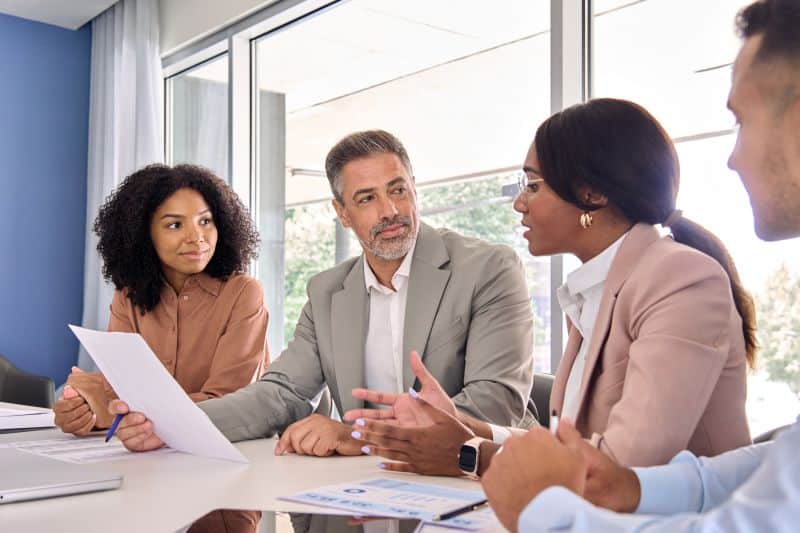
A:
{"x":590,"y":197}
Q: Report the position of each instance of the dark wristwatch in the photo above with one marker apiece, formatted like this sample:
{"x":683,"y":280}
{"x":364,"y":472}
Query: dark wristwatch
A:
{"x":469,"y":456}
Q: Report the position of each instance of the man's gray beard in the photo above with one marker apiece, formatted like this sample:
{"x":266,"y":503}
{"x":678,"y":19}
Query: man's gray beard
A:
{"x":394,"y":250}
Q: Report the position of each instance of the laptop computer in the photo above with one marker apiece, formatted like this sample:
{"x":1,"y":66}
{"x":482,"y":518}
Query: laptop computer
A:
{"x":26,"y":476}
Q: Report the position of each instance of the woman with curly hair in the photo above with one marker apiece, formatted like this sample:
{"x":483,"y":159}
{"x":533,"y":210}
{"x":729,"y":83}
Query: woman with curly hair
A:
{"x":176,"y":241}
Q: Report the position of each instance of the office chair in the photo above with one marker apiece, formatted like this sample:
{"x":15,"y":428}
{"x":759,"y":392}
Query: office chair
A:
{"x":540,"y":396}
{"x":18,"y":386}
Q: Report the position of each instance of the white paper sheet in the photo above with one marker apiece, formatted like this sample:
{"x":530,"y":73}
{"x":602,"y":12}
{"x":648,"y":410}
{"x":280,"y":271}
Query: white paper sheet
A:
{"x":139,"y":378}
{"x":25,"y":417}
{"x":71,"y":449}
{"x":402,"y":499}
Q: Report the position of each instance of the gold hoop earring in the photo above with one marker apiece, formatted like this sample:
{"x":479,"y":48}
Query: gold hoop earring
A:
{"x":586,"y":220}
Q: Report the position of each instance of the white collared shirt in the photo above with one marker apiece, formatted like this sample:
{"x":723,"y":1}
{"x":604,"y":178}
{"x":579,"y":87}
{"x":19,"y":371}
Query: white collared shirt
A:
{"x":383,"y":349}
{"x":579,"y":298}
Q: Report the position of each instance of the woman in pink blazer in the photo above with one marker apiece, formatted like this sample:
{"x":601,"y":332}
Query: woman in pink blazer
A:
{"x":661,"y":329}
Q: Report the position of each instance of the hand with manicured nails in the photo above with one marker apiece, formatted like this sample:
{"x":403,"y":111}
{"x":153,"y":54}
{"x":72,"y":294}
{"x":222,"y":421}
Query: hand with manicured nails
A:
{"x":73,"y":414}
{"x":318,"y":435}
{"x":402,"y":409}
{"x":91,"y":386}
{"x":530,"y":464}
{"x":430,"y":449}
{"x":135,"y":430}
{"x":82,"y":406}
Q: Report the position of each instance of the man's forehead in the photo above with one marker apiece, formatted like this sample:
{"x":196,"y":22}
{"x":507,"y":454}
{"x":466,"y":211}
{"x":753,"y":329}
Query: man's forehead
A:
{"x":744,"y":60}
{"x":375,"y":164}
{"x":378,"y":169}
{"x":741,"y":67}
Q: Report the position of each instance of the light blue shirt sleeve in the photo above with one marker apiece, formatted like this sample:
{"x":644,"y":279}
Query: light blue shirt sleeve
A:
{"x":696,"y":484}
{"x":753,"y":489}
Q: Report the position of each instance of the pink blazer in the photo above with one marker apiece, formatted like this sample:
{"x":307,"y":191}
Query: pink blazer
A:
{"x":665,"y":368}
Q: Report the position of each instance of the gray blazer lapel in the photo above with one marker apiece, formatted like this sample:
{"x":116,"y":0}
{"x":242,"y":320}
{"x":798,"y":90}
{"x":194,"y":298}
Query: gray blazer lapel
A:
{"x":426,"y":284}
{"x":349,"y":319}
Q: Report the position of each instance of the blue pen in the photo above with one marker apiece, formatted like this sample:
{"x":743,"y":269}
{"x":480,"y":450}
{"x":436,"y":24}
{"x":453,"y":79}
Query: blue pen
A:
{"x":113,"y":427}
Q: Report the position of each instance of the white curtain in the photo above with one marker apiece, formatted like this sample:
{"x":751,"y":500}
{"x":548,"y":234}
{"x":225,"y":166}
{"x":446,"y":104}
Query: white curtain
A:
{"x":125,"y":127}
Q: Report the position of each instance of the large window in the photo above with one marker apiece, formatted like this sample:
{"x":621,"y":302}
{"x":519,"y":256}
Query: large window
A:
{"x":464,"y":94}
{"x":465,"y":89}
{"x":197,"y":116}
{"x":674,"y":57}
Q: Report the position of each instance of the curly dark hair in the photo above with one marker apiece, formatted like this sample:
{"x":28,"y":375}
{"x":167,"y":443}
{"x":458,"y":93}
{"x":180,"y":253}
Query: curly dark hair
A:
{"x":123,"y":226}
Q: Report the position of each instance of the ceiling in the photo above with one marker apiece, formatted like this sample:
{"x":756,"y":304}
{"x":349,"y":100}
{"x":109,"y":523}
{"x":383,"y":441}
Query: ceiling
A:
{"x":440,"y":80}
{"x":70,"y":14}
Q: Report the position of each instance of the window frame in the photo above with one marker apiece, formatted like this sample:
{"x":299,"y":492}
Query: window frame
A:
{"x":570,"y":71}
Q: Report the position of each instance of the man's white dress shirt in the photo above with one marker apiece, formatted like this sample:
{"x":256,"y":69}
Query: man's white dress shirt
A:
{"x":751,"y":489}
{"x":383,"y":349}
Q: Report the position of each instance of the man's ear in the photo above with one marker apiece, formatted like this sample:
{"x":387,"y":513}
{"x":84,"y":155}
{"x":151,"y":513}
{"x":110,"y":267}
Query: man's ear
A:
{"x":588,"y":196}
{"x":341,"y":213}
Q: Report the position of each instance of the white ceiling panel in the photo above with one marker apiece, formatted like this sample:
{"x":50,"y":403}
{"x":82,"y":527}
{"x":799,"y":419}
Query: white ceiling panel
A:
{"x":364,"y":43}
{"x":70,"y":14}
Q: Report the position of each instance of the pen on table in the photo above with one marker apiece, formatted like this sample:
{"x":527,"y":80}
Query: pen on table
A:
{"x":461,"y":510}
{"x":554,"y":423}
{"x":113,"y":427}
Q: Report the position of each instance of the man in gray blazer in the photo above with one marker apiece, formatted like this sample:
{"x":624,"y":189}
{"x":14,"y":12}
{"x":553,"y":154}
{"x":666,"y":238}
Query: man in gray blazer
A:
{"x":461,"y":303}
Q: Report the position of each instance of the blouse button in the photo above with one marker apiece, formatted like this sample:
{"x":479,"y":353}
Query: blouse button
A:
{"x":185,"y":296}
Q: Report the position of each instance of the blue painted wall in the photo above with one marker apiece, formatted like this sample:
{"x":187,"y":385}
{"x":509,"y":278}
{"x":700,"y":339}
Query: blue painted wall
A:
{"x":44,"y":121}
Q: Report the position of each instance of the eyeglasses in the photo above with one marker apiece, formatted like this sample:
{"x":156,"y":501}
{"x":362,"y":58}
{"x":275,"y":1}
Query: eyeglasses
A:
{"x":527,"y":185}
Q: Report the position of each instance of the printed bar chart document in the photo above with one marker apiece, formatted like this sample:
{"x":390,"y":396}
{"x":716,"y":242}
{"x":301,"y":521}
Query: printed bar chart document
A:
{"x":402,"y":499}
{"x":139,"y":378}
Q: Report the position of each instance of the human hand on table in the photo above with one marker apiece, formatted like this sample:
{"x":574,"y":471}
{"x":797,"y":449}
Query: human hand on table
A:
{"x":72,"y":413}
{"x":82,"y":406}
{"x":318,"y":435}
{"x":92,"y":387}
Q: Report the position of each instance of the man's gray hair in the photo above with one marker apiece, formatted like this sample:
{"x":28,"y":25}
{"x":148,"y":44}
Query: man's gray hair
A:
{"x":359,"y":145}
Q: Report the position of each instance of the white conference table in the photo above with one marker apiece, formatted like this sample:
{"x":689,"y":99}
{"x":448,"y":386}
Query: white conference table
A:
{"x":167,"y":492}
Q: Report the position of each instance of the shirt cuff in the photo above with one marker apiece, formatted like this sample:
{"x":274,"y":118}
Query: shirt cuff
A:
{"x":499,"y":434}
{"x":553,"y":508}
{"x":669,"y":489}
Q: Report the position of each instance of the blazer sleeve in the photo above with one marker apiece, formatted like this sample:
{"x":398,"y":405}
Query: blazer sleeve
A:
{"x":282,"y":395}
{"x":680,"y":323}
{"x":498,"y":369}
{"x":241,"y":351}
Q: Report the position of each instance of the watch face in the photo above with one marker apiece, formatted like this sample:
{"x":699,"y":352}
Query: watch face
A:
{"x":467,"y":458}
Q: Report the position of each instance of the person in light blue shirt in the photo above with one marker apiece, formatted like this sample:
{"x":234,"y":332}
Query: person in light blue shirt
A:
{"x":536,"y":483}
